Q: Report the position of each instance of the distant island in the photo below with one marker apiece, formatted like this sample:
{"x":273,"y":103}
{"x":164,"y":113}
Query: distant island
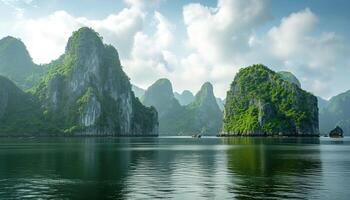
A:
{"x":201,"y":115}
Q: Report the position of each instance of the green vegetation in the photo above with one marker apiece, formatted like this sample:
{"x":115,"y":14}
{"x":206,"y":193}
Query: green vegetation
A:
{"x":20,"y":112}
{"x":86,"y":91}
{"x":261,"y":102}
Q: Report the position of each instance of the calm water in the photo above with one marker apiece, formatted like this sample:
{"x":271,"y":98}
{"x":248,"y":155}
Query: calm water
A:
{"x":176,"y":168}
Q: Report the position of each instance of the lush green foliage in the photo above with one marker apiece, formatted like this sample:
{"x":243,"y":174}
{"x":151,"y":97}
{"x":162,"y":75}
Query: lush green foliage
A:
{"x":260,"y":101}
{"x":20,"y":112}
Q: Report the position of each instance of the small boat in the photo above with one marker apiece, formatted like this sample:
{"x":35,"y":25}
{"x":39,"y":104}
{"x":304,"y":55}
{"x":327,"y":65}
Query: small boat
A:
{"x":197,"y":136}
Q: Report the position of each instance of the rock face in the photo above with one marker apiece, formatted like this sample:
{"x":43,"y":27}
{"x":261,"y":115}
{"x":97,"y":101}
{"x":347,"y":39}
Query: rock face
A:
{"x":87,"y":92}
{"x":336,"y":113}
{"x":201,"y":116}
{"x":337,"y":132}
{"x":16,"y":63}
{"x":185,"y":98}
{"x":20,"y":113}
{"x":260,"y":102}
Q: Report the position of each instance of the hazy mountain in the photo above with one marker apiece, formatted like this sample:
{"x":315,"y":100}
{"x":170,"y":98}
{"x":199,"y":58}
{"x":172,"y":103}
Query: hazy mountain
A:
{"x":261,"y":102}
{"x":288,"y":76}
{"x":201,"y":116}
{"x":160,"y":95}
{"x":336,"y":113}
{"x":206,"y":115}
{"x":185,"y":98}
{"x":139,"y":92}
{"x":221,"y":103}
{"x":322,"y":103}
{"x":87,"y":92}
{"x":16,"y":63}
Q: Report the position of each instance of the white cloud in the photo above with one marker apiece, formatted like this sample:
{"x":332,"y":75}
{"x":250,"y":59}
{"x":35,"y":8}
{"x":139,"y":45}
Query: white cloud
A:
{"x":289,"y":37}
{"x":219,"y":33}
{"x":150,"y":58}
{"x":314,"y":57}
{"x":47,"y":36}
{"x":219,"y":41}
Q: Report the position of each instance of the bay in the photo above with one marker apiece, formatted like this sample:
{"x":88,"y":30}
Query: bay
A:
{"x":174,"y":168}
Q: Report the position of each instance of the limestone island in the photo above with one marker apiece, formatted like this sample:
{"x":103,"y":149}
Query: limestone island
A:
{"x":261,"y":102}
{"x":84,"y":92}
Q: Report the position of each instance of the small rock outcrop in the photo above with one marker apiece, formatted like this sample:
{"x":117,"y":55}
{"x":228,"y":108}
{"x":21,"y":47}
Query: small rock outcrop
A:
{"x":336,"y":113}
{"x":260,"y":102}
{"x":337,"y":132}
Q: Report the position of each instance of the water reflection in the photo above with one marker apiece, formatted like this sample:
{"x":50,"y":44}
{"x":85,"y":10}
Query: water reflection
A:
{"x":175,"y":168}
{"x":274,"y":168}
{"x":79,"y":169}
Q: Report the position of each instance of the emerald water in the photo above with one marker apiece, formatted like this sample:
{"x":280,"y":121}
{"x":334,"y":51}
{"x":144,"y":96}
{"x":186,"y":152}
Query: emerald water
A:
{"x":175,"y":168}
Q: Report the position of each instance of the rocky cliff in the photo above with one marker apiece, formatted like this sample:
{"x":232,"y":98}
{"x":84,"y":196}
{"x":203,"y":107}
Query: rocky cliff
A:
{"x":16,"y":63}
{"x":87,"y":92}
{"x":261,"y":102}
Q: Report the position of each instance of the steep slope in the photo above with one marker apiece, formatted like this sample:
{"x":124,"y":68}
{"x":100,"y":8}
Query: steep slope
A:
{"x":185,"y":98}
{"x":336,"y":113}
{"x":260,"y":102}
{"x":87,"y":92}
{"x":20,"y":113}
{"x":16,"y":63}
{"x":205,"y":114}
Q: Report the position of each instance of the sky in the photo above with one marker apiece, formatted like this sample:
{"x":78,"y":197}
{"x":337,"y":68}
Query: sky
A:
{"x":192,"y":41}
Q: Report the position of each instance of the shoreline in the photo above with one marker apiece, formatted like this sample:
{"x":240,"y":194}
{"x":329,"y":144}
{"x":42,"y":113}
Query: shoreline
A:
{"x":267,"y":136}
{"x":77,"y":136}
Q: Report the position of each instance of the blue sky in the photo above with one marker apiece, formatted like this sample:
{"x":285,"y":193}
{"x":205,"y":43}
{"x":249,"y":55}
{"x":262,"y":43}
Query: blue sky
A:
{"x":192,"y":41}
